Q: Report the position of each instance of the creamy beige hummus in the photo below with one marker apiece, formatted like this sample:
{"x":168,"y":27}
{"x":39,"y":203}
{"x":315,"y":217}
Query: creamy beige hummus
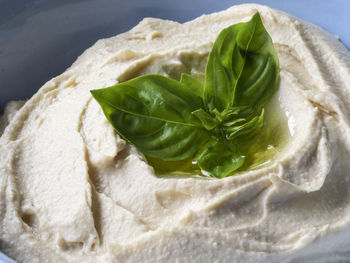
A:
{"x":73,"y":191}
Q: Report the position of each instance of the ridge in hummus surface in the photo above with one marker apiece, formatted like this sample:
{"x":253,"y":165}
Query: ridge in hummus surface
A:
{"x":71,"y":190}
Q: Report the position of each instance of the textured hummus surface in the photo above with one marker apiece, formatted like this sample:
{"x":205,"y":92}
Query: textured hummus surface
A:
{"x":71,"y":190}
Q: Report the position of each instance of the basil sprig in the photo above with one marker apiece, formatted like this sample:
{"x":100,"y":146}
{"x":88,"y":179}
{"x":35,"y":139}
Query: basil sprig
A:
{"x":174,"y":120}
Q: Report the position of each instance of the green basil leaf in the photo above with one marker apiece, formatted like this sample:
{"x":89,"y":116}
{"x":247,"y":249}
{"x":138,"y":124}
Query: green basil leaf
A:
{"x":260,"y":75}
{"x":155,"y":114}
{"x":246,"y":128}
{"x":193,"y":87}
{"x":234,"y":122}
{"x":207,"y":120}
{"x":220,"y":159}
{"x":242,"y":68}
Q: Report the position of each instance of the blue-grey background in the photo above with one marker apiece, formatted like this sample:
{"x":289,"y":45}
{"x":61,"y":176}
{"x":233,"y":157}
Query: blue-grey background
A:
{"x":40,"y":38}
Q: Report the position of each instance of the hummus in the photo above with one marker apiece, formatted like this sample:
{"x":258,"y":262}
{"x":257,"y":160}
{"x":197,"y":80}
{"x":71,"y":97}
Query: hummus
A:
{"x":71,"y":190}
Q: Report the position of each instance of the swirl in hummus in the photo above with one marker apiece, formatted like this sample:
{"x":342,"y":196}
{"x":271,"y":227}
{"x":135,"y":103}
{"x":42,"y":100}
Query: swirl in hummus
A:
{"x":72,"y":191}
